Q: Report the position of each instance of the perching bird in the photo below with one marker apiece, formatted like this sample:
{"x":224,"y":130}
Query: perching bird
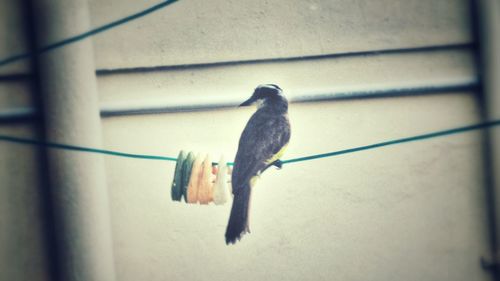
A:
{"x":261,"y":145}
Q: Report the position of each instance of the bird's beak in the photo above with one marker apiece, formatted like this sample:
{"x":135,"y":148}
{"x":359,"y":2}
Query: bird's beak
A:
{"x":247,"y":102}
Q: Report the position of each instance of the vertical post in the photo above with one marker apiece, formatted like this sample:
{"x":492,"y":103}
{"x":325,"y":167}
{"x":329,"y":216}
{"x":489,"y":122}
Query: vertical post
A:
{"x":488,"y":18}
{"x":71,"y":114}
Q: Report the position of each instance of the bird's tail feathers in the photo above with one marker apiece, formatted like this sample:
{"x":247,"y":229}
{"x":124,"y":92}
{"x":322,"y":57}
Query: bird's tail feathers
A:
{"x":238,"y":220}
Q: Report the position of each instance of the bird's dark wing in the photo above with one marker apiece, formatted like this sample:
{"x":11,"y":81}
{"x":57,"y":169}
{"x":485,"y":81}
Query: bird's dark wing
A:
{"x":263,"y":137}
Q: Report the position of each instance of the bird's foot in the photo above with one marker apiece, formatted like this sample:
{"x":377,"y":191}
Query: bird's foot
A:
{"x":278,"y":164}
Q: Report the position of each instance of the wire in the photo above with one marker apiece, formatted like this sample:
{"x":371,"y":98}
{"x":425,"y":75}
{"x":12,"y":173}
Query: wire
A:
{"x":436,"y":134}
{"x":89,"y":33}
{"x":397,"y":141}
{"x":82,"y":149}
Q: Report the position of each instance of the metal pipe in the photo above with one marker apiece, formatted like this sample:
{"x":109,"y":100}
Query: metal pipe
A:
{"x":143,"y":69}
{"x":214,"y":103}
{"x":71,"y":114}
{"x":404,"y":50}
{"x":488,"y":20}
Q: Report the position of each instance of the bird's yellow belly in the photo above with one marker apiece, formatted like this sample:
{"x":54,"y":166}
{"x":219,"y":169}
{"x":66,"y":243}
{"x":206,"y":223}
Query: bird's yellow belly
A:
{"x":253,"y":180}
{"x":277,"y":155}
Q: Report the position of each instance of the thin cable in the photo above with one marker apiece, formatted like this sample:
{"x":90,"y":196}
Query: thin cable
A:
{"x":483,"y":125}
{"x":89,"y":33}
{"x":83,"y":149}
{"x":397,"y":141}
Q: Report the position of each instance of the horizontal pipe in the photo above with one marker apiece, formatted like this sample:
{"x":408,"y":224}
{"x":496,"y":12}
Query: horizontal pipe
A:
{"x":16,"y":114}
{"x":443,"y":47}
{"x":141,"y":69}
{"x":13,"y":77}
{"x":166,"y":106}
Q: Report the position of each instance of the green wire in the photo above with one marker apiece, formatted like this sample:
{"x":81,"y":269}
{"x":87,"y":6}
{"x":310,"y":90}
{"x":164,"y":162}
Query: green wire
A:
{"x":83,"y":149}
{"x":453,"y":131}
{"x":92,"y":32}
{"x":397,"y":141}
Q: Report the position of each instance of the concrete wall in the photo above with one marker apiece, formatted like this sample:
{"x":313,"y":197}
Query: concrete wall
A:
{"x":414,"y":211}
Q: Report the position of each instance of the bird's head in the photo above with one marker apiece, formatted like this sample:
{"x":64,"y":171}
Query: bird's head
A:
{"x":264,"y":93}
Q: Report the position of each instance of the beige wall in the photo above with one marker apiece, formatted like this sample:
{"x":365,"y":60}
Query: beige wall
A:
{"x":414,"y":211}
{"x":220,"y":30}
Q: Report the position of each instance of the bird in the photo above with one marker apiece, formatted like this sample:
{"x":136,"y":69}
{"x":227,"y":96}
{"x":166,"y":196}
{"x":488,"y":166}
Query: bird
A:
{"x":262,"y":143}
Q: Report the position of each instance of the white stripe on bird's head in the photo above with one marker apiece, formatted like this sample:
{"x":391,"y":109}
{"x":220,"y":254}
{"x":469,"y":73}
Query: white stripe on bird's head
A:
{"x":270,"y":86}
